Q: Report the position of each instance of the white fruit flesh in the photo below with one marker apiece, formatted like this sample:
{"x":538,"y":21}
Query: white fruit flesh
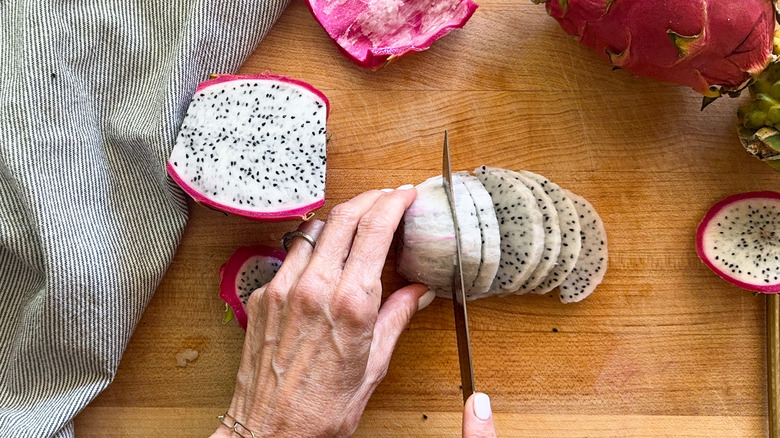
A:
{"x":552,"y":233}
{"x":571,"y":241}
{"x":427,"y":253}
{"x":491,"y":239}
{"x":253,"y":147}
{"x":592,"y":262}
{"x":520,"y":225}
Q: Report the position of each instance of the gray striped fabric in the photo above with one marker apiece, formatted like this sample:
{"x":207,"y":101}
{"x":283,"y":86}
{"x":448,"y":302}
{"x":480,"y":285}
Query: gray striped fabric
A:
{"x":91,"y":97}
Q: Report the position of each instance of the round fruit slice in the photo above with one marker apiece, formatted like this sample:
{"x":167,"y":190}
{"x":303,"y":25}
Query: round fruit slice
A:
{"x":739,"y":239}
{"x":491,"y":239}
{"x":592,"y":262}
{"x":247,"y":269}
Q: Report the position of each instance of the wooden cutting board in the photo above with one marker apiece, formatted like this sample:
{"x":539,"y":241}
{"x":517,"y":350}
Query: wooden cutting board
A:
{"x":663,"y":348}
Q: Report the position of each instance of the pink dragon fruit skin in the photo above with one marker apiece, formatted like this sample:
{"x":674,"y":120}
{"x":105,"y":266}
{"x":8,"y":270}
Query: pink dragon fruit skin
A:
{"x":707,"y":45}
{"x":373,"y":32}
{"x":235,"y":269}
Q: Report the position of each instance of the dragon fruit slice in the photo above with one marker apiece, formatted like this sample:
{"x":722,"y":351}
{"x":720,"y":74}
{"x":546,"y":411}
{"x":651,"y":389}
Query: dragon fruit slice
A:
{"x":592,"y":262}
{"x":569,"y":224}
{"x":739,"y":239}
{"x":372,"y":32}
{"x":427,"y":244}
{"x":711,"y":46}
{"x":254,"y":146}
{"x":247,"y":269}
{"x":520,"y":224}
{"x":552,"y":233}
{"x":491,"y":239}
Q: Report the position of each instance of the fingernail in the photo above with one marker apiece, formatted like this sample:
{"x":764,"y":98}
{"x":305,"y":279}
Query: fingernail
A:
{"x":482,"y":406}
{"x":425,"y":300}
{"x":386,"y":190}
{"x":406,"y":187}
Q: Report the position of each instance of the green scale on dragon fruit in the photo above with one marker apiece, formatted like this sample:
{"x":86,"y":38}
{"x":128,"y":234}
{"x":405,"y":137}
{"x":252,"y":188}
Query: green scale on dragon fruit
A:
{"x":520,"y":225}
{"x":254,"y":146}
{"x":739,"y":239}
{"x":591,"y":265}
{"x":247,"y":269}
{"x":427,"y":243}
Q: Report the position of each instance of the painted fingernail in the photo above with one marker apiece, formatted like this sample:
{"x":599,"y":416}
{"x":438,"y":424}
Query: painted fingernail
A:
{"x":482,"y":406}
{"x":386,"y":190}
{"x":425,"y":300}
{"x":405,"y":187}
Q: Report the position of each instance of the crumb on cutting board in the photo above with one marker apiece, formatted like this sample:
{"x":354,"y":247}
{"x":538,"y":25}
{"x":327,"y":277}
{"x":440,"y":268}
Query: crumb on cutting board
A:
{"x":185,"y":356}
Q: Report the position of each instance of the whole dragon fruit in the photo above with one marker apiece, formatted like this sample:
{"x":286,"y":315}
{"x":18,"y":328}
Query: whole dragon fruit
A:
{"x":712,"y":46}
{"x":254,"y":146}
{"x":372,"y":32}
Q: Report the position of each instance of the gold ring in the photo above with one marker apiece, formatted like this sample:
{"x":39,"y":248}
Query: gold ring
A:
{"x":288,"y":238}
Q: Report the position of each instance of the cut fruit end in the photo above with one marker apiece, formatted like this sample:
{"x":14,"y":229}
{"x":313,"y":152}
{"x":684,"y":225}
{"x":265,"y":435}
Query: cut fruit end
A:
{"x":247,"y":268}
{"x":739,"y":240}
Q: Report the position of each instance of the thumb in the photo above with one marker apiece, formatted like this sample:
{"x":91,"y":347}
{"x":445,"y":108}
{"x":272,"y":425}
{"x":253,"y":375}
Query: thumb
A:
{"x":478,"y":417}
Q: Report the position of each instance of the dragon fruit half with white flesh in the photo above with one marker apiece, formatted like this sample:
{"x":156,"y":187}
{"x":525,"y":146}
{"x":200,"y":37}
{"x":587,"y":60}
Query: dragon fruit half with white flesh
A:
{"x":254,"y":146}
{"x":372,"y":32}
{"x":739,"y":239}
{"x":247,"y":269}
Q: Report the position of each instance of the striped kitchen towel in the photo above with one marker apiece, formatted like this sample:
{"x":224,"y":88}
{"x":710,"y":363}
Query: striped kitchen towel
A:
{"x":91,"y":96}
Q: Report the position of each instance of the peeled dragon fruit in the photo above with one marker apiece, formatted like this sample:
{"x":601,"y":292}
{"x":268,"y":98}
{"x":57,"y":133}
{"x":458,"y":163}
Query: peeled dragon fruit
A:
{"x":372,"y":32}
{"x":247,"y":269}
{"x":739,"y":239}
{"x":712,"y":46}
{"x":520,"y":217}
{"x":254,"y":146}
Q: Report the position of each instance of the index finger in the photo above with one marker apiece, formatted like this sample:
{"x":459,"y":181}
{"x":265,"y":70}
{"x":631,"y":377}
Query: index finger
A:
{"x":373,"y":238}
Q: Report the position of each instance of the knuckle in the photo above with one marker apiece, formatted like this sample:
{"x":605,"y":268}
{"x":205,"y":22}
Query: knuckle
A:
{"x":373,"y":224}
{"x":274,"y":295}
{"x":344,"y":214}
{"x":356,"y":312}
{"x":309,"y":296}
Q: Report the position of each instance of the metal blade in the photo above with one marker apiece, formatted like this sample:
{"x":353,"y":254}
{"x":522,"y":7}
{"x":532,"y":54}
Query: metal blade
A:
{"x":458,"y":290}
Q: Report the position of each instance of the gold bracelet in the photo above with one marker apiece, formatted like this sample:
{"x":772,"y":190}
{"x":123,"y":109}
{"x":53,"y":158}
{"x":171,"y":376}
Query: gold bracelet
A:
{"x":236,"y":425}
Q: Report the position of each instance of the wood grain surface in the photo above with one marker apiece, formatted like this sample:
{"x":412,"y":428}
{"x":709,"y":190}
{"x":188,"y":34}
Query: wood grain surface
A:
{"x":663,"y":348}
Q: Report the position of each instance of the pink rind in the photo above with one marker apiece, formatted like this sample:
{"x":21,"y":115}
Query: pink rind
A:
{"x":301,"y":213}
{"x":221,"y":78}
{"x":711,"y":213}
{"x":228,"y":274}
{"x":376,"y":59}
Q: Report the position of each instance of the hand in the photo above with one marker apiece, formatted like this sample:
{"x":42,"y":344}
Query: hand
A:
{"x":317,"y":341}
{"x":478,"y":417}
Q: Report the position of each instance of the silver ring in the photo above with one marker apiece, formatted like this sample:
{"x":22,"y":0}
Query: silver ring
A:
{"x":288,"y":238}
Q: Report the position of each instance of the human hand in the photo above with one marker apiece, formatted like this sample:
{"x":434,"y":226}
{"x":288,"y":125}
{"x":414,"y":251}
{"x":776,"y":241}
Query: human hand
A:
{"x":478,"y":417}
{"x":317,"y":341}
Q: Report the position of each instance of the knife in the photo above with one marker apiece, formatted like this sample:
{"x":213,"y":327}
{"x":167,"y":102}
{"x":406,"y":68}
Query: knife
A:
{"x":458,"y":291}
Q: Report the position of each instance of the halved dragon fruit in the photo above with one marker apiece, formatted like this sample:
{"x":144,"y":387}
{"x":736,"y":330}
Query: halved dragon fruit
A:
{"x":372,"y":32}
{"x":254,"y":146}
{"x":739,"y":239}
{"x":247,"y":269}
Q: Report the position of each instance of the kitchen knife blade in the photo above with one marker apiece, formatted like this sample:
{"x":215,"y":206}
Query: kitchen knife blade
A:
{"x":458,"y":291}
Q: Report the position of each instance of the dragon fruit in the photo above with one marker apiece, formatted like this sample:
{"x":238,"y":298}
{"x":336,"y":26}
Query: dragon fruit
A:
{"x":569,"y":224}
{"x":552,"y":233}
{"x":254,"y":146}
{"x":491,"y":239}
{"x":520,"y":217}
{"x":520,"y":224}
{"x":247,"y":269}
{"x":427,"y":243}
{"x":591,"y":264}
{"x":759,"y":118}
{"x":739,"y":239}
{"x":372,"y":32}
{"x":712,"y":46}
